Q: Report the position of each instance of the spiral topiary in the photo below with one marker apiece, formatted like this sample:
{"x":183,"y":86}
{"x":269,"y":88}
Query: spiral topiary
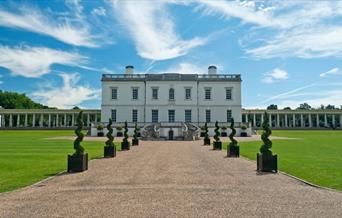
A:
{"x":265,"y":148}
{"x":125,"y":139}
{"x":217,"y":132}
{"x":79,"y":150}
{"x":135,"y":135}
{"x":206,"y":136}
{"x":232,"y":134}
{"x":109,"y":134}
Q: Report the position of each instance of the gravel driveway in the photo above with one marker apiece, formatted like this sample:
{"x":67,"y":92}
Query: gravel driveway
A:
{"x":171,"y":179}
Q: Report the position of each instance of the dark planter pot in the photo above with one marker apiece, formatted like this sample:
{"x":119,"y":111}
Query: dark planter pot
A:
{"x":135,"y":142}
{"x":109,"y":151}
{"x":267,"y":163}
{"x":217,"y":146}
{"x":100,"y":134}
{"x":206,"y":141}
{"x":243,"y":134}
{"x":233,"y":151}
{"x":119,"y":134}
{"x":77,"y":163}
{"x":202,"y":134}
{"x":223,"y":134}
{"x":125,"y":146}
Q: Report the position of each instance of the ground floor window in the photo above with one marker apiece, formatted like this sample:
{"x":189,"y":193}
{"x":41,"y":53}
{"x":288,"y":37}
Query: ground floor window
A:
{"x":113,"y":116}
{"x":207,"y":116}
{"x":229,"y":116}
{"x":134,"y":116}
{"x":154,"y":116}
{"x":171,"y":116}
{"x":187,"y":116}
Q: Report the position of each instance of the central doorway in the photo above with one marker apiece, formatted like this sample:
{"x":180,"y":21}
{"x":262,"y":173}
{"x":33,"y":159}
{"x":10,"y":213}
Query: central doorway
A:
{"x":170,"y":134}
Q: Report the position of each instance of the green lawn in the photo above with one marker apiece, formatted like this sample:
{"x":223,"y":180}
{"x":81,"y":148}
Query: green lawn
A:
{"x":27,"y":157}
{"x":316,"y":157}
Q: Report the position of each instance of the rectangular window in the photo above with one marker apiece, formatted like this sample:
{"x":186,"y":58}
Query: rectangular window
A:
{"x":154,"y":116}
{"x":155,"y":93}
{"x":113,"y":115}
{"x":114,"y":93}
{"x":229,"y":115}
{"x":171,"y":116}
{"x":187,"y":116}
{"x":207,"y":116}
{"x":228,"y":94}
{"x":207,"y":94}
{"x":188,"y":93}
{"x":135,"y":93}
{"x":134,"y":116}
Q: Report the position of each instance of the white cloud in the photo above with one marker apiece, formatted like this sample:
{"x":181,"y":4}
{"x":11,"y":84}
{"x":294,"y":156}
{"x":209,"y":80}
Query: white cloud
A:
{"x":152,"y":29}
{"x":35,"y":61}
{"x":333,"y":71}
{"x":100,"y":11}
{"x":67,"y":96}
{"x":186,"y":68}
{"x":71,"y":31}
{"x":275,"y":76}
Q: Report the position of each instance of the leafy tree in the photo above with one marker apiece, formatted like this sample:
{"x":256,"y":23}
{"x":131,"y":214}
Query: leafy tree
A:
{"x":76,"y":108}
{"x":79,"y":150}
{"x":13,"y":100}
{"x":287,"y":108}
{"x":109,"y":134}
{"x":265,"y":148}
{"x":272,"y":107}
{"x":330,"y":107}
{"x":304,"y":106}
{"x":232,"y":134}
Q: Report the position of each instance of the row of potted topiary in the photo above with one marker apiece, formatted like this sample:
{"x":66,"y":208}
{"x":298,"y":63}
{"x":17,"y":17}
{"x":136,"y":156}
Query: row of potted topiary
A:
{"x":119,"y":132}
{"x":266,"y":161}
{"x":224,"y":132}
{"x":78,"y":162}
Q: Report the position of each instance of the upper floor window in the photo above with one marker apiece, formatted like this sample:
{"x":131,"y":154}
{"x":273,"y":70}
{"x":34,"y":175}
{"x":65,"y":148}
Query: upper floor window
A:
{"x":171,"y":94}
{"x":207,"y":93}
{"x":187,"y":116}
{"x":113,"y":115}
{"x":114,"y":93}
{"x":229,"y":116}
{"x":134,"y":116}
{"x":228,"y":94}
{"x":154,"y":93}
{"x":187,"y":93}
{"x":135,"y":93}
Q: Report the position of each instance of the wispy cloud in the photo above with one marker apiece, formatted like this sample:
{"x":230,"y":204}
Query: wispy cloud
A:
{"x":186,"y":68}
{"x":68,"y":95}
{"x":333,"y":71}
{"x":100,"y":11}
{"x":152,"y":30}
{"x":275,"y":75}
{"x":73,"y":31}
{"x":35,"y":61}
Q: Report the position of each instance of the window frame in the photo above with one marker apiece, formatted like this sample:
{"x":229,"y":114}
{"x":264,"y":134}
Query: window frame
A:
{"x":134,"y":116}
{"x":157,"y":111}
{"x":157,"y":93}
{"x":116,"y":93}
{"x":173,"y":94}
{"x":231,"y":93}
{"x":187,"y":116}
{"x":206,"y":116}
{"x":229,"y":119}
{"x":137,"y":93}
{"x":205,"y":94}
{"x":169,"y":116}
{"x":113,"y":118}
{"x":190,"y":93}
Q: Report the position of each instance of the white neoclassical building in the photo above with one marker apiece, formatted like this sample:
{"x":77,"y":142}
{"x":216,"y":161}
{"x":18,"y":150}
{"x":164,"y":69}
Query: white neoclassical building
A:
{"x":170,"y":101}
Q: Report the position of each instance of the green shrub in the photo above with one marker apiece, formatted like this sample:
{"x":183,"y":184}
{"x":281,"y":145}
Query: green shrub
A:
{"x":243,"y":127}
{"x":100,"y":127}
{"x":206,"y":136}
{"x":109,"y":134}
{"x":119,"y":128}
{"x":217,"y":132}
{"x":232,"y":134}
{"x":79,"y":150}
{"x":265,"y":148}
{"x":135,"y":135}
{"x":223,"y":127}
{"x":125,"y":139}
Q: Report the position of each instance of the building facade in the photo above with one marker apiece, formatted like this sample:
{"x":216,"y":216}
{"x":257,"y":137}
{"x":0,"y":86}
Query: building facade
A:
{"x":151,"y":98}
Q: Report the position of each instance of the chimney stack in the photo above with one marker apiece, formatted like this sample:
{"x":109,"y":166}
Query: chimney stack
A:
{"x":129,"y":69}
{"x":212,"y":70}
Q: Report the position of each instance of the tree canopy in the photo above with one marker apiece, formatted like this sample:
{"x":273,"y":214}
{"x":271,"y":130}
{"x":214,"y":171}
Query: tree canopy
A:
{"x":13,"y":100}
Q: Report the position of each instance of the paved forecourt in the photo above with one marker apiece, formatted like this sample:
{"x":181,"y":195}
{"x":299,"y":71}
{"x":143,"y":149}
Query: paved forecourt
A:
{"x":171,"y":179}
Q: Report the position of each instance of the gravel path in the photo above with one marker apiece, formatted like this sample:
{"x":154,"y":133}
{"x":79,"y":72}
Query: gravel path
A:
{"x":171,"y":179}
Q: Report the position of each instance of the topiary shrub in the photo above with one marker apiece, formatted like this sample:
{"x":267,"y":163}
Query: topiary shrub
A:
{"x":206,"y":136}
{"x":233,"y":142}
{"x":125,"y":142}
{"x":265,"y":148}
{"x":79,"y":150}
{"x":135,"y":140}
{"x":109,"y":142}
{"x":217,"y":132}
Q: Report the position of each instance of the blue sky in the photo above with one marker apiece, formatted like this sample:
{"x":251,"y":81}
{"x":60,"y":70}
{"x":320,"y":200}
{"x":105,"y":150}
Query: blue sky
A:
{"x":288,"y":52}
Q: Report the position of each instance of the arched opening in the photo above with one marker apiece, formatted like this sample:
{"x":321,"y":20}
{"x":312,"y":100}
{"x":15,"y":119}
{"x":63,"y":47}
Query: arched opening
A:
{"x":171,"y":94}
